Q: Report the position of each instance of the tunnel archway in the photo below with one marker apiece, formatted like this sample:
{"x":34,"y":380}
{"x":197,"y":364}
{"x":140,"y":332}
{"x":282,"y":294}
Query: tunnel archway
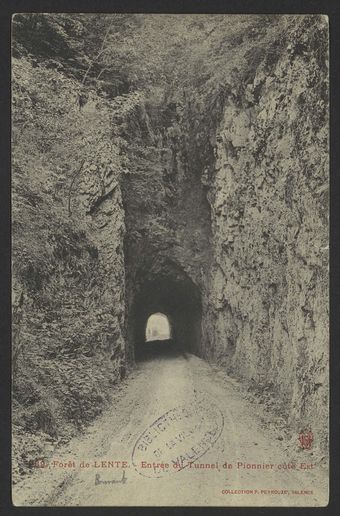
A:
{"x":173,"y":294}
{"x":157,"y":328}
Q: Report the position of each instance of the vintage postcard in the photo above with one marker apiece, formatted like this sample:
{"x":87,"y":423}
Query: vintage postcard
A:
{"x":170,"y":181}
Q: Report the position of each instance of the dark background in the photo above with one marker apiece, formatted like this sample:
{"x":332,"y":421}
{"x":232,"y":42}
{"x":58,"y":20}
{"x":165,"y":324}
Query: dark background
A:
{"x":7,"y":8}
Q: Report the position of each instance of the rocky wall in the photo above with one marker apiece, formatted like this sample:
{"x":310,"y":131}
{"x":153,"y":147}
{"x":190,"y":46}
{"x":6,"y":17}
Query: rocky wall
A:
{"x":167,"y":219}
{"x":100,"y":203}
{"x":68,"y":263}
{"x":267,"y":312}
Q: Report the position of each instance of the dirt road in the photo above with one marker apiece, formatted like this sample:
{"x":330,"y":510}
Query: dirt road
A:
{"x":178,"y":433}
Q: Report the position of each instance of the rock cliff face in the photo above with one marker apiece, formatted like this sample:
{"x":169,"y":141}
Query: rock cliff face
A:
{"x":68,"y":270}
{"x":167,"y":216}
{"x":247,"y":232}
{"x":99,"y":201}
{"x":267,"y":310}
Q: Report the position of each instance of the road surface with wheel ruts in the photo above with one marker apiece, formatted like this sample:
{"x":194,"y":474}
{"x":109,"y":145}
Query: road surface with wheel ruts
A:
{"x":179,"y":433}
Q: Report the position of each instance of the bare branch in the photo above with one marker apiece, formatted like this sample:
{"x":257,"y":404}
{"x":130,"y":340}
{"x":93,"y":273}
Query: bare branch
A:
{"x":101,"y":51}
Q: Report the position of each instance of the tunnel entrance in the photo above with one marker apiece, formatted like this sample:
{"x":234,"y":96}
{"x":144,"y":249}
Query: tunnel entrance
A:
{"x":173,"y":295}
{"x":157,"y":328}
{"x":158,"y":337}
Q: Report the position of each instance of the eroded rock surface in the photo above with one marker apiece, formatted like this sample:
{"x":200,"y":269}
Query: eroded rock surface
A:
{"x":267,"y":311}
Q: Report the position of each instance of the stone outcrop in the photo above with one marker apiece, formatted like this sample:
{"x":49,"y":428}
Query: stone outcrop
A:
{"x":68,"y":272}
{"x":167,"y":219}
{"x":267,"y":311}
{"x":247,"y":227}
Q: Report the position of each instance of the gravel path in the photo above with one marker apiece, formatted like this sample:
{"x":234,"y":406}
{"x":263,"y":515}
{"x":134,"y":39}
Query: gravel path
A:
{"x":179,"y":432}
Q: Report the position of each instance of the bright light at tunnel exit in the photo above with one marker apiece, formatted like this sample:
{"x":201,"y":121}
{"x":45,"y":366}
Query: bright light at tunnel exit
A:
{"x":157,"y":328}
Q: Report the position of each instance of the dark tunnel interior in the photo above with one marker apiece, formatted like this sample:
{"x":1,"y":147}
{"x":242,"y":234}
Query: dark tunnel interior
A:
{"x":179,"y":300}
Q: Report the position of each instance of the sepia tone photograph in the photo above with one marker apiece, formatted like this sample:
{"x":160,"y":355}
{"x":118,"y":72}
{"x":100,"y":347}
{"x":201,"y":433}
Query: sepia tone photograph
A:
{"x":170,"y":251}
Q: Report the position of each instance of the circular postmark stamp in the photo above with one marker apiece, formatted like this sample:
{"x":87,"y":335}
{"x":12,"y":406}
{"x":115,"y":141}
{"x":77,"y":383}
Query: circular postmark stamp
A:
{"x":177,"y":438}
